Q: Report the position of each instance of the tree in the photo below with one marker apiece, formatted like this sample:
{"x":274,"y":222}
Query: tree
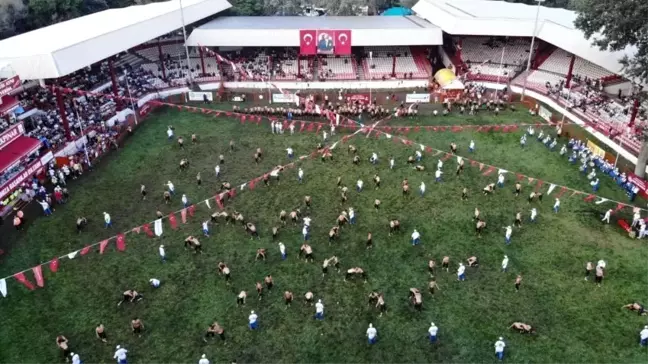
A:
{"x":12,"y":16}
{"x":616,"y":25}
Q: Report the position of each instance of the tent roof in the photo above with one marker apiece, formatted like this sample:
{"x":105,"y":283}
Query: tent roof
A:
{"x":62,"y":48}
{"x":500,"y":18}
{"x":283,"y":31}
{"x":16,"y":150}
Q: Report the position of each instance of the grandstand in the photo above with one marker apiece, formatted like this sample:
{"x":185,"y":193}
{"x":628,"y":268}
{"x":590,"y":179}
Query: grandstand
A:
{"x":138,"y":50}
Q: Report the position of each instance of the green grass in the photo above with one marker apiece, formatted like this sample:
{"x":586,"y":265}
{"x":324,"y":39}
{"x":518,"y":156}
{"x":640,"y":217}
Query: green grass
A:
{"x":576,"y":321}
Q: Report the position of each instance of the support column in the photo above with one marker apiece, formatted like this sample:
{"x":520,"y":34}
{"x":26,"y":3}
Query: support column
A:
{"x":459,"y":48}
{"x":202,"y":61}
{"x":62,"y":112}
{"x":161,"y":55}
{"x":113,"y":79}
{"x":298,"y":67}
{"x":394,"y":66}
{"x":219,"y":68}
{"x":635,"y":111}
{"x":570,"y":71}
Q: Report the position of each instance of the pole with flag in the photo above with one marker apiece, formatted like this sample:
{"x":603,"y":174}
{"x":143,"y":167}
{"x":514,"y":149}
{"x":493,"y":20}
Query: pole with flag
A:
{"x":130,"y":97}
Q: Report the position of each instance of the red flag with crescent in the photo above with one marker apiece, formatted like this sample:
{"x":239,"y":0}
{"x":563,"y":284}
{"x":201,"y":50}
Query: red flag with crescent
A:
{"x":343,"y":42}
{"x":307,"y":42}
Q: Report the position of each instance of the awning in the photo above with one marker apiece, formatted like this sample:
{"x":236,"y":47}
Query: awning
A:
{"x":17,"y":150}
{"x":8,"y":103}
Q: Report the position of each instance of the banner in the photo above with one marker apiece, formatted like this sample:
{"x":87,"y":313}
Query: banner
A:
{"x":641,"y":183}
{"x":417,"y":98}
{"x":8,"y":85}
{"x":284,"y":98}
{"x":307,"y":45}
{"x":545,"y":114}
{"x":343,"y":42}
{"x":325,"y":41}
{"x":17,"y":180}
{"x":11,"y":134}
{"x":593,"y":147}
{"x":200,"y":96}
{"x":361,"y":98}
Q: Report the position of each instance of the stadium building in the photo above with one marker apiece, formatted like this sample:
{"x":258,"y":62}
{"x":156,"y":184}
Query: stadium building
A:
{"x":68,"y":82}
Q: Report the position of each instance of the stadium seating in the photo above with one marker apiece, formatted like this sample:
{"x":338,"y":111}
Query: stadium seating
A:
{"x":337,"y":68}
{"x":380,"y":64}
{"x":558,"y":62}
{"x":477,"y":50}
{"x":286,"y":69}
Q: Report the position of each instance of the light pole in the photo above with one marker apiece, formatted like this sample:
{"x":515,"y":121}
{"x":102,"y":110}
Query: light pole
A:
{"x":184,"y":35}
{"x":535,"y":30}
{"x":501,"y":65}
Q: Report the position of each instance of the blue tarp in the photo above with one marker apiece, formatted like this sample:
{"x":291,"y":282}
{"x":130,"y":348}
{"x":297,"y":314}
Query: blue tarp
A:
{"x":397,"y":11}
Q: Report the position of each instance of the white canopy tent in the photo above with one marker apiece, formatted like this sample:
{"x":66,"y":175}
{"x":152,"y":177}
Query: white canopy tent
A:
{"x":63,"y":48}
{"x":500,"y":18}
{"x":283,"y":31}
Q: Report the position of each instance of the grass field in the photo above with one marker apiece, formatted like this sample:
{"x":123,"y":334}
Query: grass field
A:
{"x":576,"y":321}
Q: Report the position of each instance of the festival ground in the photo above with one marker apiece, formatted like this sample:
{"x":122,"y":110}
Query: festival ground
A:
{"x":575,"y":320}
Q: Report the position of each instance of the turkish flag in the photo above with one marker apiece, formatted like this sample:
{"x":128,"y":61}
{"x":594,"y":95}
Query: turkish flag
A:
{"x":20,"y":277}
{"x":85,"y":250}
{"x":192,"y":210}
{"x":38,"y":275}
{"x":121,"y":242}
{"x":173,"y":221}
{"x":102,"y":246}
{"x":307,"y":42}
{"x":343,"y":42}
{"x":54,"y":265}
{"x":147,"y":230}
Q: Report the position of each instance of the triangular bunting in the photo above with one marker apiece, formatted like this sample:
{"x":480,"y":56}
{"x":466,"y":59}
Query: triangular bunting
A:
{"x":72,"y":255}
{"x":192,"y":210}
{"x":183,"y":216}
{"x":85,"y":250}
{"x":3,"y":287}
{"x":147,"y":230}
{"x":173,"y":221}
{"x":121,"y":242}
{"x":481,"y":166}
{"x":54,"y":265}
{"x":20,"y":277}
{"x":589,"y":198}
{"x":551,"y":188}
{"x":157,"y":227}
{"x":38,"y":276}
{"x":102,"y":246}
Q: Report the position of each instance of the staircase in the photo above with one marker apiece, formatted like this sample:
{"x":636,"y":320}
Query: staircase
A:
{"x":542,"y":55}
{"x":420,"y":58}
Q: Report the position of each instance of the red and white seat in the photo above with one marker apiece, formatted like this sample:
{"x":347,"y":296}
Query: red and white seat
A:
{"x":338,"y":68}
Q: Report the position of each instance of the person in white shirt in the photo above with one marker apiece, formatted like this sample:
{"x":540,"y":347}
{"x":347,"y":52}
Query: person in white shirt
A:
{"x":439,"y":164}
{"x":500,"y":180}
{"x":279,"y":127}
{"x":169,"y":133}
{"x":162,"y":253}
{"x":307,"y":221}
{"x":642,"y":230}
{"x":359,"y":185}
{"x":292,"y":128}
{"x":217,"y":169}
{"x":601,"y":264}
{"x":505,"y":263}
{"x":205,"y":228}
{"x":75,"y":358}
{"x":499,"y":348}
{"x":253,"y":321}
{"x":305,"y":232}
{"x":120,"y":355}
{"x":391,"y":163}
{"x":155,"y":283}
{"x":419,"y":156}
{"x":290,"y":152}
{"x":471,"y":147}
{"x":635,"y":218}
{"x":508,"y":233}
{"x":416,"y":238}
{"x":324,"y":135}
{"x":171,"y":187}
{"x":185,"y":200}
{"x":352,"y":217}
{"x":332,"y":129}
{"x":46,"y":207}
{"x":282,"y":249}
{"x":272,"y":126}
{"x":374,"y":158}
{"x":107,"y":220}
{"x":319,"y":310}
{"x":300,"y":175}
{"x":643,"y":336}
{"x":422,"y":188}
{"x":203,"y":360}
{"x":606,"y":217}
{"x":432,"y":332}
{"x":534,"y":214}
{"x":556,"y":205}
{"x":461,"y":272}
{"x":372,"y":334}
{"x":437,"y":175}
